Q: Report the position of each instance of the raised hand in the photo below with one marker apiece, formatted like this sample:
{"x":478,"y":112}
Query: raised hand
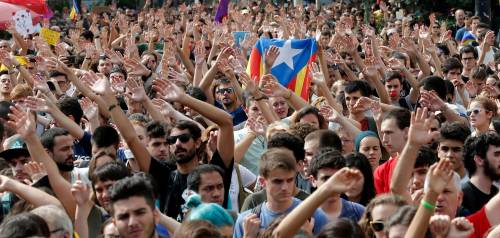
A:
{"x":175,"y":76}
{"x":115,"y":56}
{"x":168,"y":90}
{"x":471,"y":88}
{"x":23,"y":122}
{"x":272,"y":88}
{"x":224,"y":55}
{"x":329,"y":113}
{"x":431,"y":101}
{"x":251,"y":226}
{"x":419,"y":133}
{"x":100,"y":85}
{"x":56,"y":64}
{"x":461,"y":228}
{"x":343,"y":180}
{"x":134,"y":67}
{"x":248,"y":84}
{"x":118,"y":84}
{"x":271,"y":55}
{"x":40,"y":84}
{"x":364,"y":103}
{"x":136,"y":91}
{"x":81,"y":192}
{"x":439,"y":176}
{"x":39,"y":104}
{"x":236,"y":66}
{"x":89,"y":108}
{"x":257,"y":125}
{"x":165,"y":108}
{"x":317,"y":75}
{"x":35,"y":170}
{"x":199,"y":52}
{"x":439,"y":225}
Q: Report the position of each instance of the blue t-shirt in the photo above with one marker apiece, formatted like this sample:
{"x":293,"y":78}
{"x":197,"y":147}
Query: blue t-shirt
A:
{"x":238,"y":115}
{"x":460,"y":34}
{"x":351,"y":210}
{"x":267,"y":216}
{"x":82,"y":149}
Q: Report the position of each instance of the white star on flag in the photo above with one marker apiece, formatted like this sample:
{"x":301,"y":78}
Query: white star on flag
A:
{"x":286,"y":55}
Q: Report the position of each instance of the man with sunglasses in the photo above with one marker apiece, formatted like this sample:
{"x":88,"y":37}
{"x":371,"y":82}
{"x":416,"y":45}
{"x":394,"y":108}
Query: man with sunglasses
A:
{"x":185,"y":143}
{"x":225,"y":94}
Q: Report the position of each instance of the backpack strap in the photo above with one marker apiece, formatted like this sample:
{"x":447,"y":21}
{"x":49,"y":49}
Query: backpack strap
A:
{"x":257,"y":210}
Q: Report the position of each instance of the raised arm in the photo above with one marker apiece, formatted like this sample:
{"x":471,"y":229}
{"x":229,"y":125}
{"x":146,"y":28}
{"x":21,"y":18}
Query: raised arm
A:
{"x":418,"y":136}
{"x":273,"y":88}
{"x":225,"y":142}
{"x":32,"y":195}
{"x":438,"y":177}
{"x":24,"y":124}
{"x":339,"y":183}
{"x":45,"y":105}
{"x":108,"y":100}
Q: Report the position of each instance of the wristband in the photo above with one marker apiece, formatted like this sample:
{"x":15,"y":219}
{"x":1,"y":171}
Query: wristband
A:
{"x":289,"y":95}
{"x":427,"y":205}
{"x":112,"y":107}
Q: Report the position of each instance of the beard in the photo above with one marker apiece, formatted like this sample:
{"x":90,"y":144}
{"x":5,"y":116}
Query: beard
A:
{"x":65,"y":167}
{"x":490,"y":171}
{"x":186,"y":157}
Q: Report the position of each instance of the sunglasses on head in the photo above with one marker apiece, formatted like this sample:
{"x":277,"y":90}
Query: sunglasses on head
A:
{"x":377,"y":225}
{"x":474,"y":111}
{"x":183,"y":138}
{"x":225,"y":90}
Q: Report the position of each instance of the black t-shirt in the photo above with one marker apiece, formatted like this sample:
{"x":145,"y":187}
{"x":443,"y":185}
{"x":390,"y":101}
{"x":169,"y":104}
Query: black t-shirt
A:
{"x":171,"y":184}
{"x":474,"y":199}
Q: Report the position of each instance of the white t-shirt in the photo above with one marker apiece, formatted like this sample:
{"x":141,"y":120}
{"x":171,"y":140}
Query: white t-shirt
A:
{"x":247,"y":177}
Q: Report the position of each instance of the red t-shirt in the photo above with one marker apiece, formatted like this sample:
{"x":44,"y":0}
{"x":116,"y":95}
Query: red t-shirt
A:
{"x":382,"y":176}
{"x":480,"y":222}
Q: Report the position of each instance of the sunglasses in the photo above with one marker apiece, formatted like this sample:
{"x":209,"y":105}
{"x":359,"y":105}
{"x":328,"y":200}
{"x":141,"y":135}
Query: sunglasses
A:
{"x":474,"y":111}
{"x":377,"y":225}
{"x":183,"y":138}
{"x":225,"y":90}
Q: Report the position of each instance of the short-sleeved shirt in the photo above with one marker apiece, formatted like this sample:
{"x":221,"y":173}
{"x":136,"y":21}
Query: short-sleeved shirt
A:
{"x":480,"y":222}
{"x":267,"y":216}
{"x":82,"y":149}
{"x":171,"y":184}
{"x":474,"y":199}
{"x":239,"y":115}
{"x":95,"y":219}
{"x":351,"y":210}
{"x":382,"y":176}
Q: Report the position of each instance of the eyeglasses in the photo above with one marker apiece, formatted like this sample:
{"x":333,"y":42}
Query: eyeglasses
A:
{"x":377,"y":225}
{"x":183,"y":138}
{"x":225,"y":90}
{"x":474,"y":111}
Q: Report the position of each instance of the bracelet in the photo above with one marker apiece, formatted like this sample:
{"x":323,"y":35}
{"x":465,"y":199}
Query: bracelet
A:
{"x":427,"y":205}
{"x":289,"y":95}
{"x":112,"y":107}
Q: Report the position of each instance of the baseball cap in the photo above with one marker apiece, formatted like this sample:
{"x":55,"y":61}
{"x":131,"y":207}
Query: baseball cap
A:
{"x":14,"y":148}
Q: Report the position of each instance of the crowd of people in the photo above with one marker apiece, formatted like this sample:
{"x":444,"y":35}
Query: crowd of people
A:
{"x":148,"y":123}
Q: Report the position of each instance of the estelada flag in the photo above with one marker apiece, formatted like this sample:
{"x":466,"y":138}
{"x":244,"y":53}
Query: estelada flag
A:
{"x":73,"y":14}
{"x":291,"y":67}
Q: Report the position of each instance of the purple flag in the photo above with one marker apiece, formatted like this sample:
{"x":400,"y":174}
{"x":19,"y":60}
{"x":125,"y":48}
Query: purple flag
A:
{"x":222,"y":10}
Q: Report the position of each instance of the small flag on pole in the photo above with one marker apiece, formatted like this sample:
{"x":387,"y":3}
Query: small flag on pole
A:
{"x":222,"y":11}
{"x":73,"y":14}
